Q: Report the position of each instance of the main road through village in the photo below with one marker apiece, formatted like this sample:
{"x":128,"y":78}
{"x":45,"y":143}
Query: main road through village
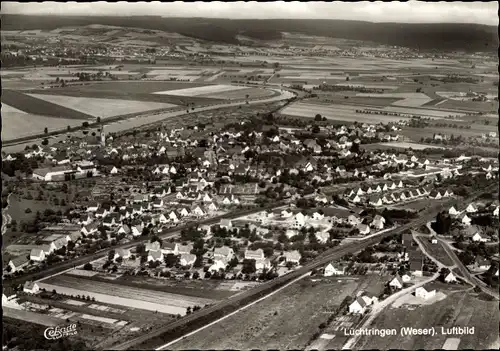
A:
{"x":323,"y":259}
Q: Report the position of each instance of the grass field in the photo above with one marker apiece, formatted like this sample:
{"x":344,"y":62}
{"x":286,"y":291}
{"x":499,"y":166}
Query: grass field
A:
{"x":274,"y":323}
{"x":125,"y":295}
{"x":458,"y":309}
{"x":436,"y":250}
{"x":102,"y":107}
{"x":241,"y":94}
{"x":405,"y":99}
{"x":200,"y":91}
{"x":37,"y":106}
{"x":336,"y":112}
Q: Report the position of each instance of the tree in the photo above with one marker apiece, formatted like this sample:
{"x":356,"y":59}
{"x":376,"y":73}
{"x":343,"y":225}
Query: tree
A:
{"x":85,"y":124}
{"x":318,"y":118}
{"x":45,"y":142}
{"x":88,"y":266}
{"x":98,"y":119}
{"x":68,"y":128}
{"x":45,"y":130}
{"x":111,"y":255}
{"x":315,"y":129}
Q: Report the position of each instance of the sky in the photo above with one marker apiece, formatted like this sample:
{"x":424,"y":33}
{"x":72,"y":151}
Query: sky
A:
{"x":406,"y":12}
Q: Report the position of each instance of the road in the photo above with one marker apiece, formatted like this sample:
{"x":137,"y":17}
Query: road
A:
{"x":378,"y":308}
{"x":101,"y":253}
{"x":146,"y":119}
{"x":321,"y":260}
{"x":466,"y":275}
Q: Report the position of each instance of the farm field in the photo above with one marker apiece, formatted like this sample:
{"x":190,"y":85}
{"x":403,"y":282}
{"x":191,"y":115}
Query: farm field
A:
{"x":273,"y":323}
{"x":208,"y":289}
{"x":16,"y":125}
{"x":200,"y":91}
{"x":458,"y":309}
{"x":127,"y":296}
{"x":33,"y":105}
{"x":102,"y":107}
{"x":436,"y":250}
{"x":417,"y":133}
{"x":336,"y":112}
{"x":241,"y":94}
{"x":406,"y":99}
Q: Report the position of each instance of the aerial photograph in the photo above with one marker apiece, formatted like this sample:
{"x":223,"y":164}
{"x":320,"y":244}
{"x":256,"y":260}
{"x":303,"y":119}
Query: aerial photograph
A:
{"x":250,"y":175}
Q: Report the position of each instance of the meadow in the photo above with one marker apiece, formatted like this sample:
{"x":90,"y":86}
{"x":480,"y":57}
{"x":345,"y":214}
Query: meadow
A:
{"x":102,"y":107}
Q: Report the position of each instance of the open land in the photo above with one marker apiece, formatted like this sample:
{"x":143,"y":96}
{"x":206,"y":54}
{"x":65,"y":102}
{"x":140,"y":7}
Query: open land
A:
{"x":458,"y":309}
{"x":123,"y":295}
{"x":273,"y":323}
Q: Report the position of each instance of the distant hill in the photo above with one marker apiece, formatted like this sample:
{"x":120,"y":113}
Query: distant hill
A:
{"x":438,"y":36}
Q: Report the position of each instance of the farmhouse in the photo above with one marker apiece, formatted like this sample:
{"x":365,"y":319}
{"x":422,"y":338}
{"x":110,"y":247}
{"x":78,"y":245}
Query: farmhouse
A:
{"x":331,"y":270}
{"x":170,"y":248}
{"x":424,"y":294}
{"x":185,"y":249}
{"x":254,"y":254}
{"x":450,"y":278}
{"x":155,"y":255}
{"x":224,"y":252}
{"x":123,"y":253}
{"x":378,"y":222}
{"x":31,"y":288}
{"x":363,"y":229}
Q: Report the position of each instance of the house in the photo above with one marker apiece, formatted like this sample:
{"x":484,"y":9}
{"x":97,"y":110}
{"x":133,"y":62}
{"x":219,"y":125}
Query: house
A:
{"x":358,"y":306}
{"x":124,"y":229}
{"x":322,"y":236}
{"x":18,"y":263}
{"x":89,"y":229}
{"x":471,"y":208}
{"x":37,"y":255}
{"x":218,"y":265}
{"x":397,"y":282}
{"x":424,"y":294}
{"x":478,"y":237}
{"x":226,"y":223}
{"x":187,"y":259}
{"x":450,"y":278}
{"x":262,"y":264}
{"x":224,"y":252}
{"x":114,"y":170}
{"x":378,"y":222}
{"x":254,"y":254}
{"x":155,"y":255}
{"x":375,"y":201}
{"x":31,"y":287}
{"x":495,"y":212}
{"x":453,"y":212}
{"x":331,"y":270}
{"x":464,"y":219}
{"x":353,"y":220}
{"x":170,"y":248}
{"x":137,"y":229}
{"x":363,"y":229}
{"x":482,"y":264}
{"x":185,"y":249}
{"x":153,"y":246}
{"x":436,"y":195}
{"x":293,"y":256}
{"x":406,"y":278}
{"x":172,"y":216}
{"x":123,"y":253}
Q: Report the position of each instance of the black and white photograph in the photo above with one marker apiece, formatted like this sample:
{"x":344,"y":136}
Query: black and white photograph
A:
{"x":250,"y":175}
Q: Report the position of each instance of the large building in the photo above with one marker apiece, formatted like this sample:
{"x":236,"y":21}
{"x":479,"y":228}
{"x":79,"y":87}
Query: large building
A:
{"x":53,"y":173}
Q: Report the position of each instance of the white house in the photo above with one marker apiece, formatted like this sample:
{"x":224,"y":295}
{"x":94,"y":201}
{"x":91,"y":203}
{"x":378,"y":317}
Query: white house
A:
{"x":187,"y":259}
{"x":466,"y":220}
{"x":219,"y":264}
{"x":452,"y":211}
{"x":495,"y":212}
{"x":155,"y":255}
{"x":322,"y":236}
{"x":406,"y":278}
{"x":31,"y":287}
{"x":123,"y":253}
{"x":450,"y":278}
{"x":292,"y":256}
{"x":331,"y":270}
{"x":254,"y":254}
{"x":378,"y":222}
{"x":114,"y":170}
{"x":170,"y":248}
{"x":479,"y":238}
{"x":262,"y":264}
{"x":424,"y":294}
{"x":224,"y":252}
{"x":471,"y":208}
{"x":37,"y":255}
{"x":397,"y":282}
{"x":363,"y":229}
{"x":358,"y":306}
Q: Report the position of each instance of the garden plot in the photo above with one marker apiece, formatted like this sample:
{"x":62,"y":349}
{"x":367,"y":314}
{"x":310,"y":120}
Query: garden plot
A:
{"x":102,"y":107}
{"x":124,"y":295}
{"x":198,"y":91}
{"x":75,"y":302}
{"x":407,"y":99}
{"x":82,"y":273}
{"x":241,"y":94}
{"x":422,"y":112}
